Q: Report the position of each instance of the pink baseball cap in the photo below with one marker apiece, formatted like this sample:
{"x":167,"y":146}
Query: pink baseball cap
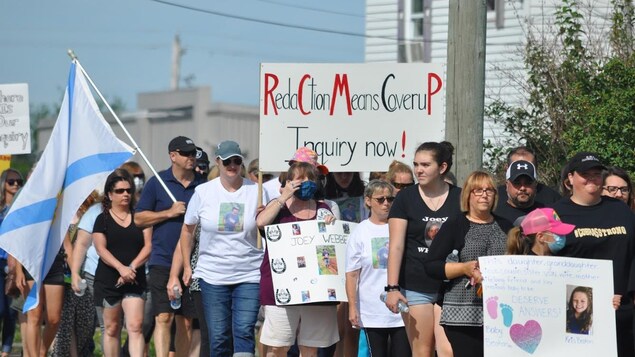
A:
{"x":545,"y":219}
{"x":304,"y":154}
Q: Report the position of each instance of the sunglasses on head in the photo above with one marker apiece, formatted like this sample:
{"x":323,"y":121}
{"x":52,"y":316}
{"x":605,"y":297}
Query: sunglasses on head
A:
{"x":119,"y":191}
{"x":401,"y":186}
{"x":187,"y":153}
{"x":12,"y":182}
{"x":236,"y":160}
{"x":383,"y":199}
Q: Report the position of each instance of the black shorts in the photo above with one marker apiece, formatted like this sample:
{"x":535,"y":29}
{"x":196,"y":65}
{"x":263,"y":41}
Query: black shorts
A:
{"x":55,"y":275}
{"x":159,"y":276}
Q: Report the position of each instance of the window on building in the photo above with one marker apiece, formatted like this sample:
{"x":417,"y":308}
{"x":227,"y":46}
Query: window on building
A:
{"x":414,"y":30}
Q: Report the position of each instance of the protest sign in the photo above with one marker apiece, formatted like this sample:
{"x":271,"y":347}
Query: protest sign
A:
{"x":15,"y":123}
{"x":307,"y":261}
{"x":547,"y":306}
{"x":356,"y":117}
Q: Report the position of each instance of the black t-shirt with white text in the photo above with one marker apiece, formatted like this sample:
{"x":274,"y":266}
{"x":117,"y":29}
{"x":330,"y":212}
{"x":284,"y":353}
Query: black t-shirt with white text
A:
{"x":423,"y":223}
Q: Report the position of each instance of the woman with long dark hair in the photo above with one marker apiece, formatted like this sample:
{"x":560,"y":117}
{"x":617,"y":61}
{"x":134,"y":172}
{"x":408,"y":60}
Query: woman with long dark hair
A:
{"x":120,"y":280}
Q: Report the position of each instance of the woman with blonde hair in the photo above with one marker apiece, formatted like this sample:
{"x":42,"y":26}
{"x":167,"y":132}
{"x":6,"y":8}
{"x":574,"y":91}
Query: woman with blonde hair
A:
{"x":399,"y":175}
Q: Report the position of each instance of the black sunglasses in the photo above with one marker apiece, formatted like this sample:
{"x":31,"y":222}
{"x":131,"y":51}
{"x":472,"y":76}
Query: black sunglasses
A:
{"x":187,"y":153}
{"x":401,"y":186}
{"x":383,"y":199}
{"x":12,"y":182}
{"x":236,"y":160}
{"x":119,"y":191}
{"x":202,"y":167}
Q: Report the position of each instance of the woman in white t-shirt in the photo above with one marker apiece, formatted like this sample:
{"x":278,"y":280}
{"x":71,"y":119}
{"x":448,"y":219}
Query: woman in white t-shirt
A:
{"x":229,"y":260}
{"x":366,"y":262}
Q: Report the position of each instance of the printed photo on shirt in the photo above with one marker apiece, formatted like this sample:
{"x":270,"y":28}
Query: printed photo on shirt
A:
{"x":432,"y":228}
{"x":579,"y":317}
{"x":231,"y":217}
{"x":349,"y":209}
{"x":380,"y":252}
{"x":327,"y":261}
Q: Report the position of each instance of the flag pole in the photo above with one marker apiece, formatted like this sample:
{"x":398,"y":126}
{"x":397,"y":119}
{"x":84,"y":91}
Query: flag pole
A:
{"x":134,"y":143}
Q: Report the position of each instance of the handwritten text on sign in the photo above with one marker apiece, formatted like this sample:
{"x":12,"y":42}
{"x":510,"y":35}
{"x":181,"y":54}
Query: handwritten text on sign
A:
{"x":357,"y":117}
{"x":15,"y":124}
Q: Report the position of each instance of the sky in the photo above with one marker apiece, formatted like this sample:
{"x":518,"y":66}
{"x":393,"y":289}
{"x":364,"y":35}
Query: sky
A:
{"x":126,"y":46}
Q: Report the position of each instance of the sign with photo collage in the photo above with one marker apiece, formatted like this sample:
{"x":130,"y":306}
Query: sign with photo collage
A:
{"x":307,"y":261}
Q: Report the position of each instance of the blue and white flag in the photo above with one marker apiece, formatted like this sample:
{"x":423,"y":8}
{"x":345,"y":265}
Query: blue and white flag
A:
{"x":82,"y":151}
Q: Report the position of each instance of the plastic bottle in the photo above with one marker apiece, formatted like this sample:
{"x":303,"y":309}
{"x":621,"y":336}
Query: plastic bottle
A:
{"x":176,"y":303}
{"x":452,"y":258}
{"x":82,"y":288}
{"x":401,"y":306}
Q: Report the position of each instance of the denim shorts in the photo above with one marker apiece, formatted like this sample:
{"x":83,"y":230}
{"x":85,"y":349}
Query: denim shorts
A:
{"x":417,"y":298}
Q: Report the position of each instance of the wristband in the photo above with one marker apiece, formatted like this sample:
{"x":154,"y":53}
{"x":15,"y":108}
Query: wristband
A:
{"x":389,"y":288}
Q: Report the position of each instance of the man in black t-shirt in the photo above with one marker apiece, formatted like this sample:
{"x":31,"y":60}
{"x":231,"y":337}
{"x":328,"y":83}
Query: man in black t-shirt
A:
{"x":520,"y":187}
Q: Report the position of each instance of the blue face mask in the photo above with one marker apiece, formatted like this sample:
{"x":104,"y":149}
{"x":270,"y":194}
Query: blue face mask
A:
{"x":557,"y":244}
{"x":306,"y":191}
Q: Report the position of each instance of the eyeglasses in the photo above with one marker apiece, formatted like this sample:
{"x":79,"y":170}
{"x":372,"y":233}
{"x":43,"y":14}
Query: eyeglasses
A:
{"x":202,"y":167}
{"x":383,"y":199}
{"x":401,"y":186}
{"x":236,"y":160}
{"x":482,"y":191}
{"x":612,"y":189}
{"x":187,"y":153}
{"x":119,"y":191}
{"x":12,"y":182}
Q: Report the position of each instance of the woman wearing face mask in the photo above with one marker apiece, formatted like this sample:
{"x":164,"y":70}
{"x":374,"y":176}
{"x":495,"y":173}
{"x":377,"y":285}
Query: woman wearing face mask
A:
{"x":312,"y":325}
{"x":540,"y":233}
{"x":605,"y":229}
{"x":229,"y":260}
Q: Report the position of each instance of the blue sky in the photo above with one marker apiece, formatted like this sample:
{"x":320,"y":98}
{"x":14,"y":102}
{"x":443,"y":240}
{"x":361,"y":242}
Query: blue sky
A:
{"x":125,"y":46}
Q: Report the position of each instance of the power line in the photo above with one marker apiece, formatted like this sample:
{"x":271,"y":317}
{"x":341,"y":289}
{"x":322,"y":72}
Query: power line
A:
{"x":280,"y":3}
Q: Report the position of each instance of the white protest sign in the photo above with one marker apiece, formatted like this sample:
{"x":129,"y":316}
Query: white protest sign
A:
{"x":15,"y":123}
{"x":356,"y":117}
{"x":307,"y":261}
{"x":547,"y":306}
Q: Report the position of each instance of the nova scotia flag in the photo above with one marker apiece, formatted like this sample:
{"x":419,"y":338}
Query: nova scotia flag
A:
{"x":81,"y":153}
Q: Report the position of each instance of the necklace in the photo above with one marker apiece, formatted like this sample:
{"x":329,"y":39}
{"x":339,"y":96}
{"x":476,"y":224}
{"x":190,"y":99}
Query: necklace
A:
{"x":430,"y":202}
{"x":121,"y":219}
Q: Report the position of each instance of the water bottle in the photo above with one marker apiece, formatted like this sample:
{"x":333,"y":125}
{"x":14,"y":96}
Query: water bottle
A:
{"x":82,"y":288}
{"x":452,"y":258}
{"x":176,"y":303}
{"x":401,"y":306}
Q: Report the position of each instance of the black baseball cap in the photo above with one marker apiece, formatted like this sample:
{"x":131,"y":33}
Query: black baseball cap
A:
{"x":519,"y":168}
{"x":181,"y":143}
{"x":585,"y":160}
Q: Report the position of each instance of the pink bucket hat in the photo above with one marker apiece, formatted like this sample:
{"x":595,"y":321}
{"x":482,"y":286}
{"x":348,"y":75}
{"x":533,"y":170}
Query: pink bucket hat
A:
{"x":304,"y":154}
{"x":545,"y":220}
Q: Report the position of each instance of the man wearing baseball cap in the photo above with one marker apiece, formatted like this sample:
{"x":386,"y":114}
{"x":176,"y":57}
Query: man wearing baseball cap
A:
{"x":520,"y":185}
{"x":605,"y":229}
{"x":156,"y":209}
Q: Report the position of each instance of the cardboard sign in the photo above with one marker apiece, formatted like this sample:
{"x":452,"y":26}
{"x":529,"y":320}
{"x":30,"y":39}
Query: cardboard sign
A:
{"x":307,"y":261}
{"x":548,"y":306}
{"x":15,"y":123}
{"x":356,"y":117}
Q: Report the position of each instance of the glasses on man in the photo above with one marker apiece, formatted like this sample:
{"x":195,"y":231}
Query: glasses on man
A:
{"x":383,"y":199}
{"x":203,"y":167}
{"x":484,"y":191}
{"x":236,"y":160}
{"x":120,"y":191}
{"x":187,"y":153}
{"x":613,"y":189}
{"x":401,"y":186}
{"x":12,"y":182}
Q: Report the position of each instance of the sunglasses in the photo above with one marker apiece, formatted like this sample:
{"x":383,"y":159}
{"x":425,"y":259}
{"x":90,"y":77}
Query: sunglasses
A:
{"x":119,"y":191}
{"x":401,"y":186}
{"x":233,"y":160}
{"x":203,"y":167}
{"x":383,"y":199}
{"x":187,"y":153}
{"x":12,"y":182}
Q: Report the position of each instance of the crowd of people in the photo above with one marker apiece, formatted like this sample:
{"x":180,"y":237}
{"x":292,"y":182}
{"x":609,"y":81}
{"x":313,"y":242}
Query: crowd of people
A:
{"x":176,"y":259}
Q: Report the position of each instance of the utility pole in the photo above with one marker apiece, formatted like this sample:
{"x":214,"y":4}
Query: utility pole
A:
{"x":466,"y":84}
{"x":177,"y":53}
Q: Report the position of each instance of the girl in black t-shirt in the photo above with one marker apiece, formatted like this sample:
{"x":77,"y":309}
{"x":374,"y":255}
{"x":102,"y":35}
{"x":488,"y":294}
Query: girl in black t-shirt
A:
{"x":123,"y":249}
{"x":415,"y":210}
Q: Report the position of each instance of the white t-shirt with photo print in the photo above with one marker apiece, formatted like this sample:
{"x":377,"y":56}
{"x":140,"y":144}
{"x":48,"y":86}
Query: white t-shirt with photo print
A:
{"x":227,"y":249}
{"x":364,"y":250}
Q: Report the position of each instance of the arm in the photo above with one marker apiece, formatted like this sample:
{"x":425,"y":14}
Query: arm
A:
{"x":144,"y":253}
{"x":127,"y":273}
{"x":82,"y":243}
{"x":20,"y":278}
{"x":186,"y":240}
{"x":68,"y":248}
{"x":266,"y":216}
{"x":352,"y":278}
{"x":150,"y":218}
{"x":175,"y":271}
{"x":397,"y":238}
